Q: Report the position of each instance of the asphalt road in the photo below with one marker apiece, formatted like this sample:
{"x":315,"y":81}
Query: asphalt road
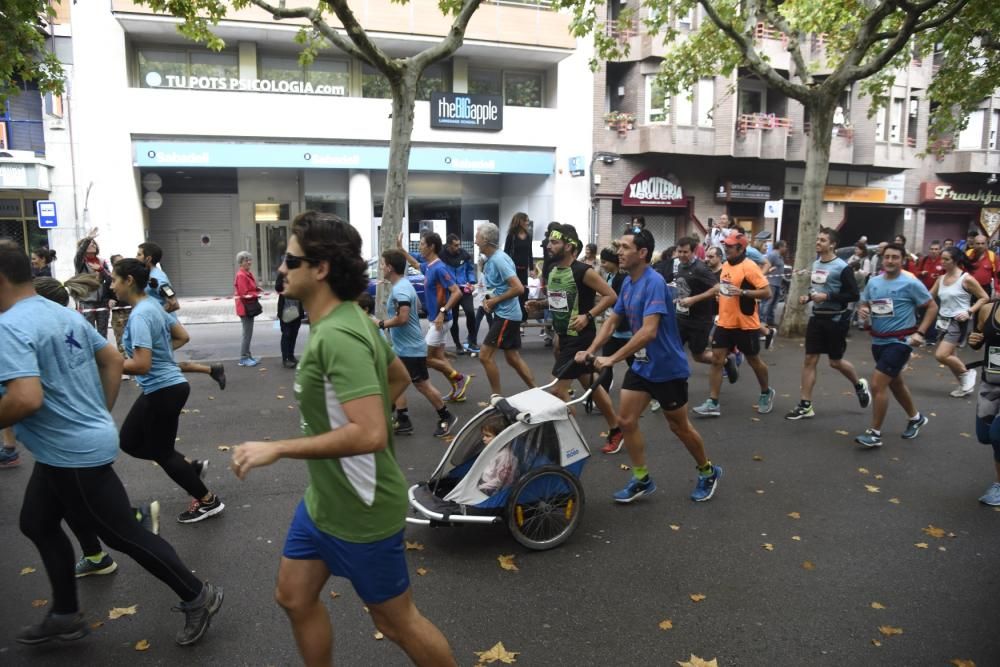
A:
{"x":599,"y":599}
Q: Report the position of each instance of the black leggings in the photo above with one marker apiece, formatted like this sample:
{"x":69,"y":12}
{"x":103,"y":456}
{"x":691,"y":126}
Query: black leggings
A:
{"x":470,"y":320}
{"x":93,"y":498}
{"x":150,"y":432}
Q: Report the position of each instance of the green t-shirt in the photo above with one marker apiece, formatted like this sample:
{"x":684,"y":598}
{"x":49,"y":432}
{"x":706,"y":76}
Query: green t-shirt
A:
{"x":358,"y":498}
{"x":568,"y":297}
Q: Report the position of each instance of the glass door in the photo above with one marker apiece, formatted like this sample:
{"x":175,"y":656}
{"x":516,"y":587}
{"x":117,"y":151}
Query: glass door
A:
{"x":272,"y":242}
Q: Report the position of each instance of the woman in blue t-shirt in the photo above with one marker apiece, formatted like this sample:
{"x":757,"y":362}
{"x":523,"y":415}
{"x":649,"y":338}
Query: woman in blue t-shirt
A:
{"x":150,"y":429}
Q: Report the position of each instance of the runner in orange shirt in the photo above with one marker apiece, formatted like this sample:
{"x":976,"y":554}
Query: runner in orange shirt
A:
{"x":741,"y":284}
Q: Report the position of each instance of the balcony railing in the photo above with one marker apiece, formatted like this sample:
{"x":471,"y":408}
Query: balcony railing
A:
{"x":761,"y":121}
{"x":622,"y":33}
{"x":765,"y":31}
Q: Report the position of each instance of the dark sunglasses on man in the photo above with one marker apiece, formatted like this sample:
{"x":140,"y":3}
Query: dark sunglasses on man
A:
{"x":295,"y":261}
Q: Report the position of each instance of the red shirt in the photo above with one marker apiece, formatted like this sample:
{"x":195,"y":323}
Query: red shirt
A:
{"x":928,"y":270}
{"x":246,"y":290}
{"x":984,"y":268}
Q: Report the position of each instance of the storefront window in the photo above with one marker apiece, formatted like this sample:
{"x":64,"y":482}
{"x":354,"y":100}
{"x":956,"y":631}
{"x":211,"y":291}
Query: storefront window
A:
{"x":374,"y":84}
{"x":280,"y":68}
{"x":523,"y":89}
{"x":222,"y":65}
{"x":434,"y":79}
{"x":485,"y":81}
{"x":163,"y":63}
{"x":330,"y":72}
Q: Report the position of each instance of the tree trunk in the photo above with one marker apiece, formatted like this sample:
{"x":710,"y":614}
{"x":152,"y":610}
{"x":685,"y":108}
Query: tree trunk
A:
{"x":394,"y":203}
{"x":793,"y":323}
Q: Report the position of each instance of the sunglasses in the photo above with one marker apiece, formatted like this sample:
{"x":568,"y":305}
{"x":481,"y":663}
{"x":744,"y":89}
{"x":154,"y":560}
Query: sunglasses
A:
{"x":295,"y":261}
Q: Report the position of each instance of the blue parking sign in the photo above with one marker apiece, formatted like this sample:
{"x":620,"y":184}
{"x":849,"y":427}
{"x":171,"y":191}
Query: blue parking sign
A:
{"x":46,"y":210}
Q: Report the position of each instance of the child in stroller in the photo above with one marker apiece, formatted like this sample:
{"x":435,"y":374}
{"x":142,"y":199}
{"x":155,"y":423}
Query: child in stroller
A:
{"x":503,"y":468}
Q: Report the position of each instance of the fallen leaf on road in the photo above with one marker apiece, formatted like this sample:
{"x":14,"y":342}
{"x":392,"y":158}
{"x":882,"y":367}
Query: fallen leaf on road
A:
{"x":889,"y":631}
{"x":118,"y":612}
{"x":808,"y":565}
{"x":921,"y":545}
{"x":414,"y":546}
{"x":872,"y":489}
{"x":876,"y":642}
{"x":841,"y":432}
{"x":768,"y":546}
{"x":280,"y":396}
{"x":624,"y":467}
{"x":695,"y":661}
{"x":27,"y":570}
{"x":758,"y":457}
{"x":795,"y":515}
{"x":211,"y":398}
{"x":674,"y":526}
{"x":507,"y":563}
{"x":96,"y":624}
{"x":942,"y":549}
{"x":755,"y":419}
{"x":894,"y":501}
{"x":498,"y":653}
{"x":933,"y":414}
{"x":759,"y":492}
{"x":952,"y":535}
{"x":863,"y":471}
{"x":483,"y":404}
{"x":965,"y":435}
{"x":878,"y":476}
{"x":422,"y":571}
{"x":379,"y":635}
{"x":696,"y":597}
{"x":604,"y":434}
{"x":291,"y":407}
{"x":223,"y":448}
{"x":142,"y":645}
{"x":39,"y":603}
{"x":933,"y":531}
{"x":877,"y":605}
{"x":796,"y":538}
{"x":666,"y":625}
{"x":958,"y":662}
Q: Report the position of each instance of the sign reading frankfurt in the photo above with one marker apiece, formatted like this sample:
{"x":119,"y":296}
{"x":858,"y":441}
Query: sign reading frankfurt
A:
{"x":458,"y":111}
{"x":649,"y":188}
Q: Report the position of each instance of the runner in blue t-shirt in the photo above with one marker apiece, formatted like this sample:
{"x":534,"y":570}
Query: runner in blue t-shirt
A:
{"x":409,"y":345}
{"x":160,"y":290}
{"x":149,"y":431}
{"x":660,"y":370}
{"x":503,"y":287}
{"x":890,"y":302}
{"x":58,"y":380}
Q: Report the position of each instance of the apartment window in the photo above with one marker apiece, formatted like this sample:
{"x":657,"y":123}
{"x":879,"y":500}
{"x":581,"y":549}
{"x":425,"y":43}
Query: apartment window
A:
{"x":751,"y":101}
{"x":374,"y":83}
{"x":686,"y":19}
{"x":706,"y":102}
{"x":912,"y":121}
{"x":523,"y":89}
{"x":972,"y":136}
{"x":485,"y":81}
{"x":657,"y":102}
{"x":896,"y":121}
{"x":994,"y":128}
{"x":435,"y":79}
{"x":164,"y":68}
{"x":880,"y":117}
{"x":685,"y":107}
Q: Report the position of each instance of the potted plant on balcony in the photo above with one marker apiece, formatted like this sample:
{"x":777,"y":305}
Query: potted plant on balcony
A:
{"x":611,"y":119}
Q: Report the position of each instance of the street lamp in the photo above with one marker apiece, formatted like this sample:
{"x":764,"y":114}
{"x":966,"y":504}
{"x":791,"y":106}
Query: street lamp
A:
{"x":607,"y":158}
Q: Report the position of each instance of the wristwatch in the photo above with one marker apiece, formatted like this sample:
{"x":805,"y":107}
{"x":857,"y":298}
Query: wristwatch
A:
{"x":442,"y":310}
{"x":381,"y":324}
{"x":590,"y":318}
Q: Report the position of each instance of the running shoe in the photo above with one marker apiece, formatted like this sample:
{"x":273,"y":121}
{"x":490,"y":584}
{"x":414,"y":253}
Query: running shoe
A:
{"x":731,"y":369}
{"x":198,"y":510}
{"x":992,"y":495}
{"x":472,"y":348}
{"x":149,"y":517}
{"x":765,"y":403}
{"x":460,"y":350}
{"x":248,"y":362}
{"x":614,"y":443}
{"x":705,"y":488}
{"x":967,"y":384}
{"x":201,"y":465}
{"x":635,"y":489}
{"x":66,"y":627}
{"x":402,"y":426}
{"x":9,"y":458}
{"x":769,"y":338}
{"x":461,"y":385}
{"x":289,"y":363}
{"x":913,"y":427}
{"x":197,"y":617}
{"x":444,"y":426}
{"x":710,"y":408}
{"x":863,"y":393}
{"x":654,"y":406}
{"x":548,"y":341}
{"x":800,"y":412}
{"x":869,"y":439}
{"x":218,"y":373}
{"x":86,"y":567}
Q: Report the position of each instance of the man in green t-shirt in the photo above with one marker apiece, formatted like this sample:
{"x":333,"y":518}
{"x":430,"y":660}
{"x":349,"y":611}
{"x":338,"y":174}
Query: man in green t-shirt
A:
{"x":350,"y":523}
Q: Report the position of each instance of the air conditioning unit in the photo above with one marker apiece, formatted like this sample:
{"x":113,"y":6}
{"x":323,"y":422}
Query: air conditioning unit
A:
{"x":57,"y":124}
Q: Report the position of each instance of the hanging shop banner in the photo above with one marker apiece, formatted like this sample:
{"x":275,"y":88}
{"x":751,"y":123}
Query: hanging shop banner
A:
{"x":935,"y":192}
{"x":989,"y":218}
{"x":458,"y":111}
{"x":742,"y":191}
{"x":652,"y":188}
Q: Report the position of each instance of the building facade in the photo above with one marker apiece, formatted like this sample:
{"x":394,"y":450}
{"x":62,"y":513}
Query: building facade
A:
{"x":211,"y":153}
{"x":730,"y":144}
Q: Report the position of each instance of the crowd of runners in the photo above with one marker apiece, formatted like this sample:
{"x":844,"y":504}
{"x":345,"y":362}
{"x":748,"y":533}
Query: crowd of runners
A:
{"x":60,"y":379}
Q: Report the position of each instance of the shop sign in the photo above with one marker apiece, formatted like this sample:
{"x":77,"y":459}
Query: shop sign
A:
{"x":458,"y":111}
{"x":650,"y":188}
{"x":846,"y":193}
{"x":942,"y":193}
{"x":156,"y":80}
{"x":989,"y":218}
{"x":742,"y":191}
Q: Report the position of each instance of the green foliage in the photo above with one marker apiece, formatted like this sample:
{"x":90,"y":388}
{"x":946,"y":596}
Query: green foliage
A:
{"x":23,"y":54}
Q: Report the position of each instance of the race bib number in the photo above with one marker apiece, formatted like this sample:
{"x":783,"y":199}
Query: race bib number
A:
{"x":942,"y":323}
{"x":726,"y":288}
{"x":641,"y":356}
{"x":683,"y":310}
{"x":819,"y":277}
{"x":558,"y":301}
{"x":992,"y":371}
{"x":882,"y":308}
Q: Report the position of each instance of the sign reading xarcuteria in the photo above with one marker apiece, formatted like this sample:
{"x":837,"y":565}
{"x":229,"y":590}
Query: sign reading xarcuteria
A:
{"x":458,"y":111}
{"x":652,"y":188}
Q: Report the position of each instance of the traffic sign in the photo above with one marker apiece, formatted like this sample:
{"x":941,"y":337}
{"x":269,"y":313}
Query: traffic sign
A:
{"x":46,"y":209}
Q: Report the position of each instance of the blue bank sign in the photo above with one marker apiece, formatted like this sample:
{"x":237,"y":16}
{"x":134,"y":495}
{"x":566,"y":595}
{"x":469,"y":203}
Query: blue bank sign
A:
{"x":458,"y":111}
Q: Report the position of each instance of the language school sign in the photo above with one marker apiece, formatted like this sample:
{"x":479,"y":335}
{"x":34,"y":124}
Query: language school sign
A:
{"x":651,"y":188}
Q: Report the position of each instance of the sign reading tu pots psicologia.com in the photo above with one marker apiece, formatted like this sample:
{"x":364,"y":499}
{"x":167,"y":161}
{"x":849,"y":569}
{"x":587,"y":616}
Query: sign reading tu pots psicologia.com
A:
{"x":458,"y":111}
{"x":156,"y":80}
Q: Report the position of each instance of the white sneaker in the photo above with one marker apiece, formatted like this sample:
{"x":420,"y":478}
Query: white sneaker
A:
{"x":967,"y":384}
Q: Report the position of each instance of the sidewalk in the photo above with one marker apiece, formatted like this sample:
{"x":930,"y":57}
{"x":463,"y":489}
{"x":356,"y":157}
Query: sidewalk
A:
{"x":209,"y":310}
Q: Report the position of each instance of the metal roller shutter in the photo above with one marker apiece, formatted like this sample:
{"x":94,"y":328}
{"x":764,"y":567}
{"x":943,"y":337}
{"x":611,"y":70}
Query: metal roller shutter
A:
{"x":179,"y":226}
